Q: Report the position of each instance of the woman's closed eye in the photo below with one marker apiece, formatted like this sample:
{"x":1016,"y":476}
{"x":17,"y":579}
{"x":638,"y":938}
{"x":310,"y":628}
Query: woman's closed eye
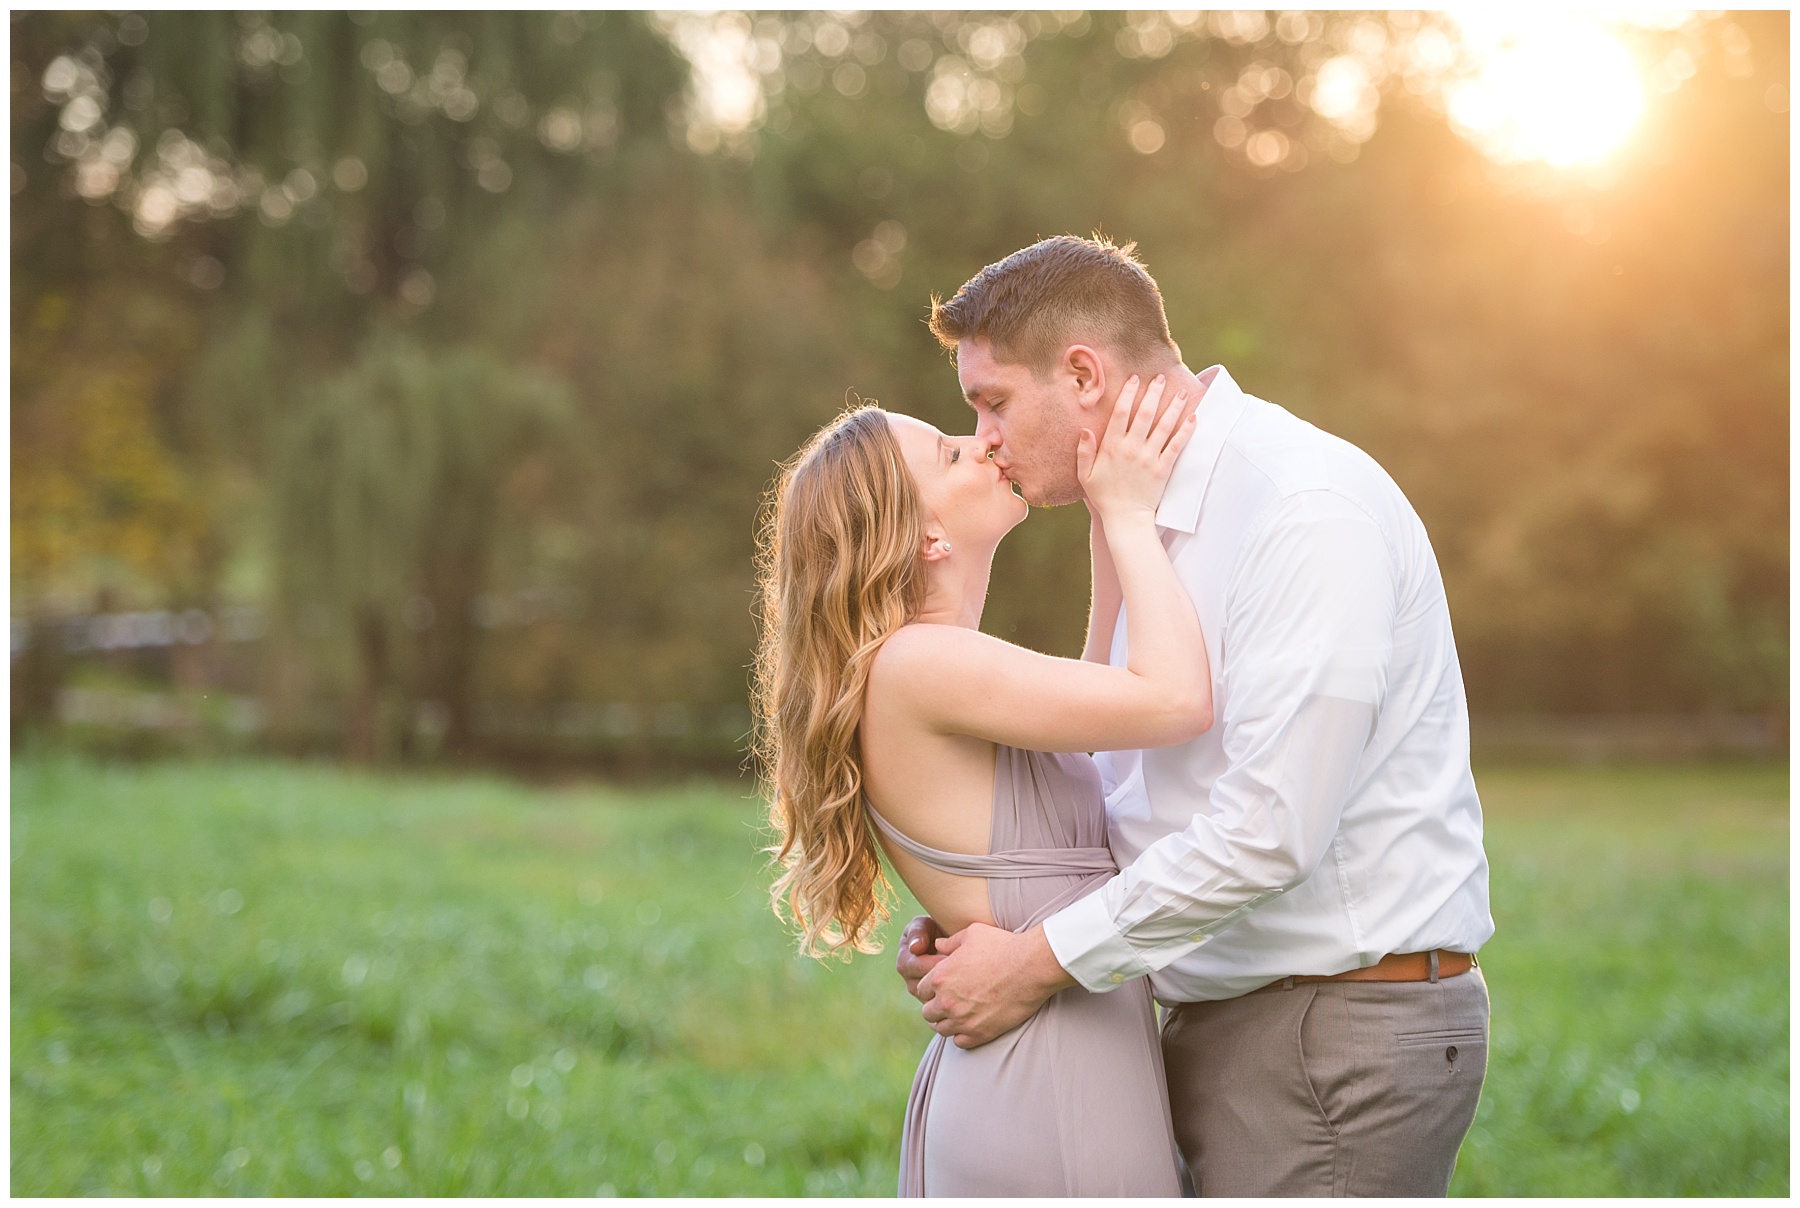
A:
{"x":955,"y":456}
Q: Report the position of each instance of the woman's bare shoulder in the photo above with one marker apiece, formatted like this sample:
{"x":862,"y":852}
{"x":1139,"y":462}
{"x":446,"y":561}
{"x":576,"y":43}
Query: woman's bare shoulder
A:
{"x":916,"y":661}
{"x":925,"y":650}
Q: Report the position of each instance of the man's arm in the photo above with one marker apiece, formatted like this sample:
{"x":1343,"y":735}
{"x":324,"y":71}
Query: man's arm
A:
{"x":1309,"y":632}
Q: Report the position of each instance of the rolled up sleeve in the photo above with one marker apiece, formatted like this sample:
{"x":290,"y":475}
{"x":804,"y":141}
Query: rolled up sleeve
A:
{"x":1308,"y":639}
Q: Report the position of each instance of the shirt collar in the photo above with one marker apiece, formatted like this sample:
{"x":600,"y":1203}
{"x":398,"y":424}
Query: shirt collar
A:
{"x":1220,"y":406}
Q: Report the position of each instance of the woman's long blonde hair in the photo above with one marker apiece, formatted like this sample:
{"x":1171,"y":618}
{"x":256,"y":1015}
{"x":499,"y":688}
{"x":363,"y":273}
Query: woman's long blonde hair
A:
{"x":838,"y":571}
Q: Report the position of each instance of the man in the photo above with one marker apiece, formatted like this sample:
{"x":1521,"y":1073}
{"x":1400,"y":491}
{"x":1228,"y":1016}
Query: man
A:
{"x":1305,"y":884}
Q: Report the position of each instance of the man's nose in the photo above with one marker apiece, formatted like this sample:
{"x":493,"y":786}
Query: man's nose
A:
{"x":987,"y":431}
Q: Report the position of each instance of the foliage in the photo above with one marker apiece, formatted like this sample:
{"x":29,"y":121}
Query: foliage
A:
{"x":256,"y":978}
{"x":101,"y":496}
{"x":108,"y":486}
{"x":712,"y":228}
{"x":388,"y":484}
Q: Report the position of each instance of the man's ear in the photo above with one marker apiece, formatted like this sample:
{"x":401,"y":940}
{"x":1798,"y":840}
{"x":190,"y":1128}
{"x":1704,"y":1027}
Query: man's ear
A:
{"x":1088,"y":373}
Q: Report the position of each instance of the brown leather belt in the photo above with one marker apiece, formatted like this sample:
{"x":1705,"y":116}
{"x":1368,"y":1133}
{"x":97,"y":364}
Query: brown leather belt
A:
{"x":1394,"y":967}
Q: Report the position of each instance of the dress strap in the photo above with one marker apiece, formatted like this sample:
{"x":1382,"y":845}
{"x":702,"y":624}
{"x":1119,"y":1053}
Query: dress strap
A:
{"x":1018,"y":865}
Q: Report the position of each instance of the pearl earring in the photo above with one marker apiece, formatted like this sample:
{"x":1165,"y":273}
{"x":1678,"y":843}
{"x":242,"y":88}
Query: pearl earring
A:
{"x":944,"y":545}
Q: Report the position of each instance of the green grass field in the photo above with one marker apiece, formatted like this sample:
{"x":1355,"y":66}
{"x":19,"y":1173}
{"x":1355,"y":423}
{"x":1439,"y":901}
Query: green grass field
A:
{"x":264,"y":978}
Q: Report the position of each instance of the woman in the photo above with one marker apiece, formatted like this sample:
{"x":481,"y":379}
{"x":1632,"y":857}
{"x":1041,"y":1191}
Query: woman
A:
{"x":889,"y":722}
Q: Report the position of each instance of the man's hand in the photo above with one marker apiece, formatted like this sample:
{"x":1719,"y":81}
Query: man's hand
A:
{"x":917,"y":953}
{"x":987,"y":982}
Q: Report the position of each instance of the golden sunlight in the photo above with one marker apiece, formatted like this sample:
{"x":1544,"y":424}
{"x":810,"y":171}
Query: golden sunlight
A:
{"x":1559,"y":89}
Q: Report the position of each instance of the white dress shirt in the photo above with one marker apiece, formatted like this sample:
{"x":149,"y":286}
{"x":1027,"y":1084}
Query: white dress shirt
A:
{"x":1329,"y":817}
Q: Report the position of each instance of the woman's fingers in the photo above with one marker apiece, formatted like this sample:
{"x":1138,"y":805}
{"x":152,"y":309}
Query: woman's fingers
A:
{"x":1143,"y":420}
{"x":1121,"y":415}
{"x":1184,"y":432}
{"x":1150,"y":434}
{"x":1166,"y":422}
{"x":1084,"y":454}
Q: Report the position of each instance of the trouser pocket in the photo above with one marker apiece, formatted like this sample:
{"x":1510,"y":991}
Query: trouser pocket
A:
{"x":1446,"y":1052}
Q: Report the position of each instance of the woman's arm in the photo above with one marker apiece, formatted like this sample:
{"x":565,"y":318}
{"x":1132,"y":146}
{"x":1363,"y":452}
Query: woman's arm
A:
{"x":1103,"y":609}
{"x":961,"y":681}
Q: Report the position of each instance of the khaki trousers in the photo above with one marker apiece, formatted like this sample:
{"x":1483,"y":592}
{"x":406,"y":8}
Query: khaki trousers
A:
{"x":1328,"y":1088}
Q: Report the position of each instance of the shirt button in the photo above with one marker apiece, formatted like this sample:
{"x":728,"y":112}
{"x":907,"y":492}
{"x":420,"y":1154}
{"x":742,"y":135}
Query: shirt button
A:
{"x":1117,"y":978}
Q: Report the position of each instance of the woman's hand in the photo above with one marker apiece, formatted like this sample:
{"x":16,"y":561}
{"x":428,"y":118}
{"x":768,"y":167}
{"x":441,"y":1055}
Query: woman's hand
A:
{"x":1127,"y":471}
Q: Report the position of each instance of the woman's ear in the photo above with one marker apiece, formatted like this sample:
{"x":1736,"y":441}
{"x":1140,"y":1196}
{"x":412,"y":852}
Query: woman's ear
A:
{"x":1088,"y":373}
{"x":936,"y":547}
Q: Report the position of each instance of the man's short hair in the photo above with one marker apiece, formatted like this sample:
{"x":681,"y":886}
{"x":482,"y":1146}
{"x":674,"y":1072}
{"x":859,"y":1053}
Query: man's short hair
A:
{"x":1059,"y":291}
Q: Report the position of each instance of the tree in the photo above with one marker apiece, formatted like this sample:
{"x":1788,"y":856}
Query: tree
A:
{"x":712,"y":228}
{"x":387,"y":486}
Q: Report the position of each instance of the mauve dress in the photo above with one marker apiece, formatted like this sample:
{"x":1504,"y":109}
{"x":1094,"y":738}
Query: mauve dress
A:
{"x":1073,"y":1101}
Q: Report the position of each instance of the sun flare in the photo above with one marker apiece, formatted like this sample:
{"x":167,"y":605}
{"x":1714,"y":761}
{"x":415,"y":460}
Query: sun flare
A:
{"x":1557,"y":90}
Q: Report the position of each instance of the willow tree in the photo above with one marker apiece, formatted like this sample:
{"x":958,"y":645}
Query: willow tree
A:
{"x":388,"y":498}
{"x":279,"y":185}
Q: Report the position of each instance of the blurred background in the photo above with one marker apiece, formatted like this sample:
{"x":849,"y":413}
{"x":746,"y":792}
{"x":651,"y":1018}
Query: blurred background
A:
{"x":404,"y":385}
{"x":400,"y":389}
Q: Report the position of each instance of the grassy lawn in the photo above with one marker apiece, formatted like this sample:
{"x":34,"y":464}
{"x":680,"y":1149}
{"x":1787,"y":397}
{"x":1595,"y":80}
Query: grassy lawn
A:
{"x":1640,"y":984}
{"x":262,"y":978}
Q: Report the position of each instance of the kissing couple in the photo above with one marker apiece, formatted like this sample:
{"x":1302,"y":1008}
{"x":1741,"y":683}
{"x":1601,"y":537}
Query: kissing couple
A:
{"x":1276,"y":835}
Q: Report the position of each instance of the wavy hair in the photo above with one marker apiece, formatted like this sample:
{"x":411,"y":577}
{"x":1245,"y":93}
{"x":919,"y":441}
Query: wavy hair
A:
{"x":837,"y":572}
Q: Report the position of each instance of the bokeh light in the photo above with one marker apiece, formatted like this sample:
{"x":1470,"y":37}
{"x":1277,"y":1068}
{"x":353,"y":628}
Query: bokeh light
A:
{"x":1557,"y":89}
